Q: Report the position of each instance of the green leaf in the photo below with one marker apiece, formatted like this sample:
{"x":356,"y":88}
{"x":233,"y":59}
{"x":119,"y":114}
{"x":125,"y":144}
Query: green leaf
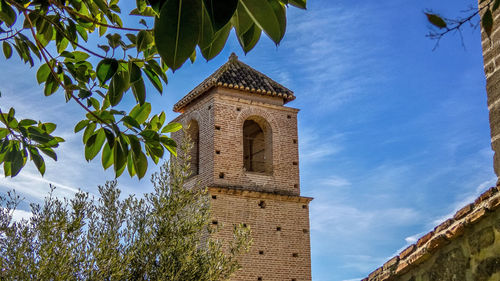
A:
{"x":49,"y":152}
{"x":217,"y":44}
{"x":263,"y":15}
{"x":280,"y":12}
{"x":176,"y":31}
{"x":298,"y":3}
{"x":139,"y":91}
{"x":140,"y":164}
{"x":130,"y":165}
{"x":3,"y":133}
{"x":249,"y":39}
{"x":43,"y":73}
{"x":7,"y":49}
{"x":135,"y":72}
{"x":16,"y":161}
{"x":106,"y":69}
{"x":118,"y":85}
{"x":107,"y":157}
{"x":436,"y":20}
{"x":172,"y":127}
{"x":94,"y":144}
{"x":155,"y":80}
{"x":131,"y":122}
{"x":51,"y":85}
{"x":487,"y":22}
{"x":220,"y":12}
{"x":89,"y":131}
{"x":120,"y":153}
{"x":49,"y":127}
{"x":37,"y":159}
{"x":7,"y":14}
{"x":141,"y":112}
{"x":144,"y":40}
{"x":27,"y":122}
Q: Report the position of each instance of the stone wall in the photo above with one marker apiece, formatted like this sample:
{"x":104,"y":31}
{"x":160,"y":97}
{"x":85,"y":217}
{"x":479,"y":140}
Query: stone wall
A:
{"x":463,"y":248}
{"x":491,"y":58}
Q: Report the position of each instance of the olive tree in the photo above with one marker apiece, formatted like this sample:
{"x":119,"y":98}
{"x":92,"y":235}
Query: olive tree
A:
{"x":165,"y":235}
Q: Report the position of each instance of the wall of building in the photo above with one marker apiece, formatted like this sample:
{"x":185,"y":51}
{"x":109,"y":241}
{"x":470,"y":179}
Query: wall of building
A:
{"x":279,"y":229}
{"x":463,"y":248}
{"x":491,"y":57}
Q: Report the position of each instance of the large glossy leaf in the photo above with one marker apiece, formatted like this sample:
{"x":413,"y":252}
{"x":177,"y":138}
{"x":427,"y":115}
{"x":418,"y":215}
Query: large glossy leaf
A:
{"x":241,"y":20}
{"x":249,"y":39}
{"x":172,"y":127}
{"x":140,"y":164}
{"x":220,"y":11}
{"x":94,"y":144}
{"x":37,"y":159}
{"x":298,"y":3}
{"x":141,"y":112}
{"x":106,"y":69}
{"x":7,"y":14}
{"x":43,"y":73}
{"x":144,"y":40}
{"x":262,"y":13}
{"x":118,"y":85}
{"x":176,"y":31}
{"x":139,"y":91}
{"x":7,"y":49}
{"x":280,"y":12}
{"x":217,"y":44}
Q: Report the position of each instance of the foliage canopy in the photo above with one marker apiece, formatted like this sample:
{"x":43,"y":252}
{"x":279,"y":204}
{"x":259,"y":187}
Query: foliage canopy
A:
{"x":163,"y":236}
{"x":56,"y":32}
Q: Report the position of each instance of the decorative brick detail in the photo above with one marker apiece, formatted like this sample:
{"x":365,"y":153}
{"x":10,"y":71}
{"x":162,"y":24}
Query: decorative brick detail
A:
{"x":487,"y":194}
{"x":463,"y":212}
{"x":437,"y":242}
{"x":475,"y":216}
{"x":406,"y":252}
{"x":494,"y":204}
{"x":455,"y":231}
{"x":443,"y":225}
{"x":391,"y":264}
{"x":424,"y":239}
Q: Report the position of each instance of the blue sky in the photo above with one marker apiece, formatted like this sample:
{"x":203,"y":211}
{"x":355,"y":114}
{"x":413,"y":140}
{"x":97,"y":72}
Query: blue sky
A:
{"x":393,"y":136}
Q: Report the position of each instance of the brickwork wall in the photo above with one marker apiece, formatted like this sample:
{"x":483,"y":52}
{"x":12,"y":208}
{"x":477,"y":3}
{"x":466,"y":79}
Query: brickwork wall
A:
{"x":491,"y":57}
{"x":220,"y":115}
{"x":280,"y":230}
{"x":280,"y":233}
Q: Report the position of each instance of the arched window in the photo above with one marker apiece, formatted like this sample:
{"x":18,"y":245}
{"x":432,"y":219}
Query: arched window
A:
{"x":194,"y":137}
{"x":257,"y":149}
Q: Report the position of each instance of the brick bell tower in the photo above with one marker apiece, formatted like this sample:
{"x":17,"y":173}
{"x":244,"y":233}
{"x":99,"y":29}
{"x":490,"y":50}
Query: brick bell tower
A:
{"x":246,"y":152}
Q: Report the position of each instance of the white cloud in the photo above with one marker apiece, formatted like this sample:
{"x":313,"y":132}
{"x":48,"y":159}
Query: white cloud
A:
{"x":335,"y":181}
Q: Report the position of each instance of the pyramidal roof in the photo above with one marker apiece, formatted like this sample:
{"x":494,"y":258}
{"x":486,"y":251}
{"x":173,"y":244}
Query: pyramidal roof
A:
{"x":234,"y":74}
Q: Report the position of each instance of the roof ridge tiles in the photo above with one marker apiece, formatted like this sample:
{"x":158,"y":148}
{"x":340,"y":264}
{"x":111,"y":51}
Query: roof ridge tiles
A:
{"x":236,"y":74}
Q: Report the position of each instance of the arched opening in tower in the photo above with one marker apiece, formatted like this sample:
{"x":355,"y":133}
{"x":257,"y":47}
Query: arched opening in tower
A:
{"x":194,"y":136}
{"x":256,"y":148}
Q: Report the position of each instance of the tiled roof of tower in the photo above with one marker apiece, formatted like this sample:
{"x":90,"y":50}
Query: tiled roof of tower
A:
{"x":235,"y":74}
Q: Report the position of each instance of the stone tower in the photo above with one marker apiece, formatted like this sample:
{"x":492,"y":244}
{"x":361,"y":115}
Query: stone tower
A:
{"x":246,"y":152}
